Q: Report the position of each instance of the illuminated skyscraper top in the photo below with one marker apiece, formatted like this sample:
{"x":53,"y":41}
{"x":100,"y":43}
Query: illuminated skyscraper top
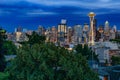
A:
{"x":63,"y":21}
{"x":106,"y":24}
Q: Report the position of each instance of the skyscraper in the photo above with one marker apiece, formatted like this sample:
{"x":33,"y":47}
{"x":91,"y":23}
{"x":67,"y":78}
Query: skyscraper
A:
{"x":53,"y":35}
{"x":95,"y":26}
{"x":69,"y":34}
{"x":41,"y":30}
{"x":114,"y":28}
{"x":106,"y":31}
{"x":112,"y":32}
{"x":62,"y":31}
{"x":85,"y":32}
{"x":99,"y":34}
{"x":18,"y":33}
{"x":48,"y":34}
{"x":77,"y":34}
{"x":91,"y":32}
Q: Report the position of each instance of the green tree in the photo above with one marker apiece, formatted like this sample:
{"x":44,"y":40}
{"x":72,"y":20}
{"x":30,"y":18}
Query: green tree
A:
{"x":49,"y":62}
{"x":86,"y":52}
{"x":9,"y":47}
{"x":35,"y":38}
{"x":4,"y":75}
{"x":115,"y":40}
{"x":79,"y":49}
{"x":115,"y":60}
{"x":2,"y":50}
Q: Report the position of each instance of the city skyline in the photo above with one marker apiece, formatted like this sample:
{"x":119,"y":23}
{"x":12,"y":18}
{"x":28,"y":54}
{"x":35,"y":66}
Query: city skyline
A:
{"x":32,"y":13}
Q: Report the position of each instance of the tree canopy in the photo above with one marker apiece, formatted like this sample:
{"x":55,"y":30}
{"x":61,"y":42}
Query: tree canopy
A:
{"x":49,"y":62}
{"x":2,"y":50}
{"x":86,"y":52}
{"x":9,"y":47}
{"x":115,"y":60}
{"x":115,"y":40}
{"x":35,"y":38}
{"x":4,"y":75}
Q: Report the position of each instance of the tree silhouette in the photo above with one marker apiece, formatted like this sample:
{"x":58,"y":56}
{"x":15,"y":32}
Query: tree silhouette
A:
{"x":86,"y":52}
{"x":115,"y":60}
{"x":35,"y":38}
{"x":10,"y":48}
{"x":2,"y":58}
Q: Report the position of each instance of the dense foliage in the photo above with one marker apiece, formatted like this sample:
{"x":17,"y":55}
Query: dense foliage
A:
{"x":4,"y":75}
{"x":35,"y":38}
{"x":2,"y":50}
{"x":115,"y":40}
{"x":49,"y":62}
{"x":86,"y":52}
{"x":115,"y":60}
{"x":9,"y":47}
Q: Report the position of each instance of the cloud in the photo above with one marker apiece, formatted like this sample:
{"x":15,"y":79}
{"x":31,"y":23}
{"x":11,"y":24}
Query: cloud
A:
{"x":31,"y":8}
{"x":92,"y":4}
{"x":80,"y":3}
{"x":39,"y":13}
{"x":105,"y":0}
{"x":52,"y":7}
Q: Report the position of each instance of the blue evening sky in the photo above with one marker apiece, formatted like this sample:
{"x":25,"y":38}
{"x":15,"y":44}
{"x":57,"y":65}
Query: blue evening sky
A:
{"x":31,"y":13}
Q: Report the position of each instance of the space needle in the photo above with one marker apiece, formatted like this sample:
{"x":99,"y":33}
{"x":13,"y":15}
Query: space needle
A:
{"x":91,"y":33}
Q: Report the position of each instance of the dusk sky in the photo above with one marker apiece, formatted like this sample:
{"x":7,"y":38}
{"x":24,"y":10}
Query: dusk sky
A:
{"x":31,"y":13}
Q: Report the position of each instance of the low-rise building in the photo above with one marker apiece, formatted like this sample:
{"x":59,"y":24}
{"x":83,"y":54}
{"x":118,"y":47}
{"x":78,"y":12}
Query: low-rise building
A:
{"x":109,"y":73}
{"x":105,"y":50}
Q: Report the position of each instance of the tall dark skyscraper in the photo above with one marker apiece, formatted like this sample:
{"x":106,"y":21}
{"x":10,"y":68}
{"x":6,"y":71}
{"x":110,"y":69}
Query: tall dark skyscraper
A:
{"x":40,"y":30}
{"x":69,"y":35}
{"x":95,"y":26}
